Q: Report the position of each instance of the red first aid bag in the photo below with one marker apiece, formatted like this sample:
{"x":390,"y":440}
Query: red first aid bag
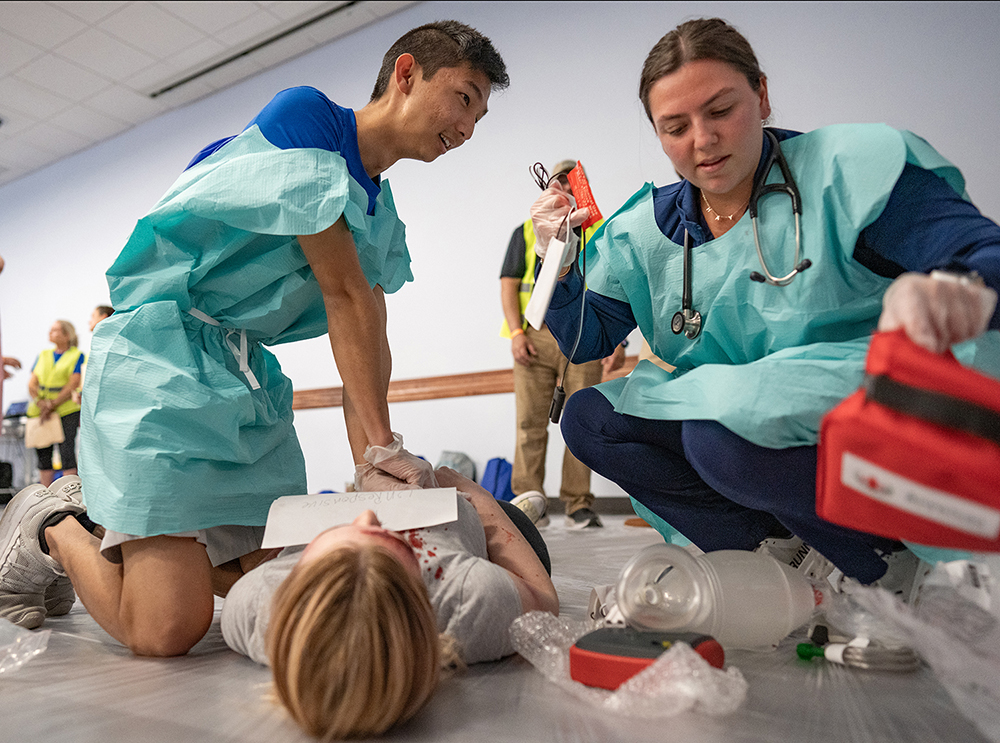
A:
{"x":915,"y":453}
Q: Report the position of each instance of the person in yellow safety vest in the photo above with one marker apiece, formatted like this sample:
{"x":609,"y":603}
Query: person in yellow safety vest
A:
{"x":538,"y":366}
{"x":54,"y":377}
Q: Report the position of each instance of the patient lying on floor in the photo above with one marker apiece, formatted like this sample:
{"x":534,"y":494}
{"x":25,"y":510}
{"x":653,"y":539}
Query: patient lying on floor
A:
{"x":357,"y":625}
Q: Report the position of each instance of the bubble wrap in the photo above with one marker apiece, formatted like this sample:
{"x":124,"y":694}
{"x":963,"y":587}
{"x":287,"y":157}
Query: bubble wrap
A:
{"x":848,"y":614}
{"x":18,"y":646}
{"x":957,"y":638}
{"x":679,"y":680}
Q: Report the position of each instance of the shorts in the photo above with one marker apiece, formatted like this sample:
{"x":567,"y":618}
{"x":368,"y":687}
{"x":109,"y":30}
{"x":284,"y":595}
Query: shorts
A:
{"x":223,"y":543}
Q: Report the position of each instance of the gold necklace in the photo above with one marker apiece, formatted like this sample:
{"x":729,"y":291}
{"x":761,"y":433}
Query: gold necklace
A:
{"x":722,"y":216}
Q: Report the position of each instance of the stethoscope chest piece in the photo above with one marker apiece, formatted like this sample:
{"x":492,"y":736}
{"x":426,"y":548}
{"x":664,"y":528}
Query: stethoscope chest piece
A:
{"x":688,"y":319}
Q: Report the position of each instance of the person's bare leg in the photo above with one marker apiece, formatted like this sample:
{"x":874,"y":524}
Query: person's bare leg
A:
{"x":158,"y":602}
{"x":45,"y":477}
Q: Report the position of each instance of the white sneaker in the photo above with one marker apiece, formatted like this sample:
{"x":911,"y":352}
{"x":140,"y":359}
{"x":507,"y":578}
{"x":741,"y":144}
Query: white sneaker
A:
{"x":69,"y":488}
{"x":901,"y":575}
{"x":799,"y":555}
{"x":60,"y":596}
{"x":25,"y":571}
{"x":789,"y":551}
{"x":533,"y":504}
{"x":903,"y":578}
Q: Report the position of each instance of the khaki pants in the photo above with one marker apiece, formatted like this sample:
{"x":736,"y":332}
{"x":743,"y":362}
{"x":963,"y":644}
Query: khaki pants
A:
{"x":533,"y":386}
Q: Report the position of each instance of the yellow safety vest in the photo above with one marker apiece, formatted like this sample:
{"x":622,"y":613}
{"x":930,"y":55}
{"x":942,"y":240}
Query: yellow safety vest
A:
{"x":52,"y":377}
{"x":528,"y":280}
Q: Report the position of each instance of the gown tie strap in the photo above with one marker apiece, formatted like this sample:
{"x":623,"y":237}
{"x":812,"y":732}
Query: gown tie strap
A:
{"x":240,"y":353}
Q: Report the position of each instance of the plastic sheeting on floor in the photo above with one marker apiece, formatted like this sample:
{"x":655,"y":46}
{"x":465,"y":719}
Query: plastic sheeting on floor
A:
{"x":86,"y":687}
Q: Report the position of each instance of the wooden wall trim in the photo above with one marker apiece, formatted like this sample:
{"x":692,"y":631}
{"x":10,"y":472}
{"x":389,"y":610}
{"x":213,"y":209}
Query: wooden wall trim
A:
{"x":432,"y":388}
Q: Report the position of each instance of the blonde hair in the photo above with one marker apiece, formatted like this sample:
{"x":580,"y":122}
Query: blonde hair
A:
{"x":69,"y":331}
{"x":353,"y":643}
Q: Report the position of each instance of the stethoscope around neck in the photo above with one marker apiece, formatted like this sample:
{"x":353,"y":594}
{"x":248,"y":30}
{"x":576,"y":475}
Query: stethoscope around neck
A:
{"x":688,"y":319}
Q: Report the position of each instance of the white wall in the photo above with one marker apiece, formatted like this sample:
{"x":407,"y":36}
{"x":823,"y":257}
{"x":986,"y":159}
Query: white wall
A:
{"x":928,"y":67}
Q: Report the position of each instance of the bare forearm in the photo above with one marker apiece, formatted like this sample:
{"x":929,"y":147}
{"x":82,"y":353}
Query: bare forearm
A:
{"x":356,"y":433}
{"x":357,"y":338}
{"x":66,"y":392}
{"x":510,"y":302}
{"x":505,"y":546}
{"x":356,"y":323}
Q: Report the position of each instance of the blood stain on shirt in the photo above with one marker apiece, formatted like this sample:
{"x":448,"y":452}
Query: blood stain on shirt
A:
{"x":439,"y":573}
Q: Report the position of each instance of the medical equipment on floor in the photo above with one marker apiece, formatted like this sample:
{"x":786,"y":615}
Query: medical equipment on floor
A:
{"x":688,"y":319}
{"x":679,"y":679}
{"x":915,"y":453}
{"x":742,"y":599}
{"x":862,"y":653}
{"x":608,"y":657}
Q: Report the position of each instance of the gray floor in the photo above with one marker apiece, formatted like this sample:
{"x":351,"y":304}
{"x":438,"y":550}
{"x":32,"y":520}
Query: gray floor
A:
{"x":86,"y":687}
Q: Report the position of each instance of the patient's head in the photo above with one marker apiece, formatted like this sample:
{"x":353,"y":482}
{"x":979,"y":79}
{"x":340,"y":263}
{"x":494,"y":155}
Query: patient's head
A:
{"x":353,"y":640}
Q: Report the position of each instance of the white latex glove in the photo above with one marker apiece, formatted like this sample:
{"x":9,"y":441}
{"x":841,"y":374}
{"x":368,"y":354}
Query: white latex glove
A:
{"x":939,"y":310}
{"x":368,"y":479}
{"x":402,"y":465}
{"x":548,"y":219}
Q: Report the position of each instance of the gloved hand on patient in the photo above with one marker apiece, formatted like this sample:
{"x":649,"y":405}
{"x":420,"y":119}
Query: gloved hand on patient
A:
{"x":548,"y":219}
{"x":937,"y":310}
{"x":398,"y":464}
{"x":369,"y":479}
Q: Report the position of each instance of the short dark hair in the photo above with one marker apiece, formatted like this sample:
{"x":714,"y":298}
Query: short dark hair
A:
{"x":105,"y":310}
{"x":444,"y":44}
{"x":704,"y":38}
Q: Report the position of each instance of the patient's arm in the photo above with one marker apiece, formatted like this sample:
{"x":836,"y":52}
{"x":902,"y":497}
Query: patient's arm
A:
{"x":505,"y":545}
{"x":226,"y":574}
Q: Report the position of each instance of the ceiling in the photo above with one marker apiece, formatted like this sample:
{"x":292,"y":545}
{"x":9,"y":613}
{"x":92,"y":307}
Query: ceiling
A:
{"x":73,"y":74}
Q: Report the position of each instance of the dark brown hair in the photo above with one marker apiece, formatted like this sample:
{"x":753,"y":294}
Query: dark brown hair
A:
{"x":444,"y":44}
{"x":704,"y":38}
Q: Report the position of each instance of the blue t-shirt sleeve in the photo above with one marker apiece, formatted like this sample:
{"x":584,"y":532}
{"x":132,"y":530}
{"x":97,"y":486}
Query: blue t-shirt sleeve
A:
{"x":927,"y":225}
{"x":296,"y":117}
{"x":300,"y":118}
{"x":79,"y":363}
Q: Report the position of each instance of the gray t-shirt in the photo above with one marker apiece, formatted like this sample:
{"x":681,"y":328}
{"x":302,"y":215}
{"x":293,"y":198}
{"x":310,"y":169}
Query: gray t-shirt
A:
{"x":474,"y":600}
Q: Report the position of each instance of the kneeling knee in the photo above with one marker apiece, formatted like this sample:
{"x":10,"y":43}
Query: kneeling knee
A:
{"x":165,"y":636}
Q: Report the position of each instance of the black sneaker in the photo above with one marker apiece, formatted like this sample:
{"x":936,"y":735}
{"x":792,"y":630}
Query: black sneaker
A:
{"x":583,"y":518}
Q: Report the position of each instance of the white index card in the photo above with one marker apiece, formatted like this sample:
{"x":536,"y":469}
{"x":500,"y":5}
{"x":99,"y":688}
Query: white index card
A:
{"x":545,"y":283}
{"x":298,"y":519}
